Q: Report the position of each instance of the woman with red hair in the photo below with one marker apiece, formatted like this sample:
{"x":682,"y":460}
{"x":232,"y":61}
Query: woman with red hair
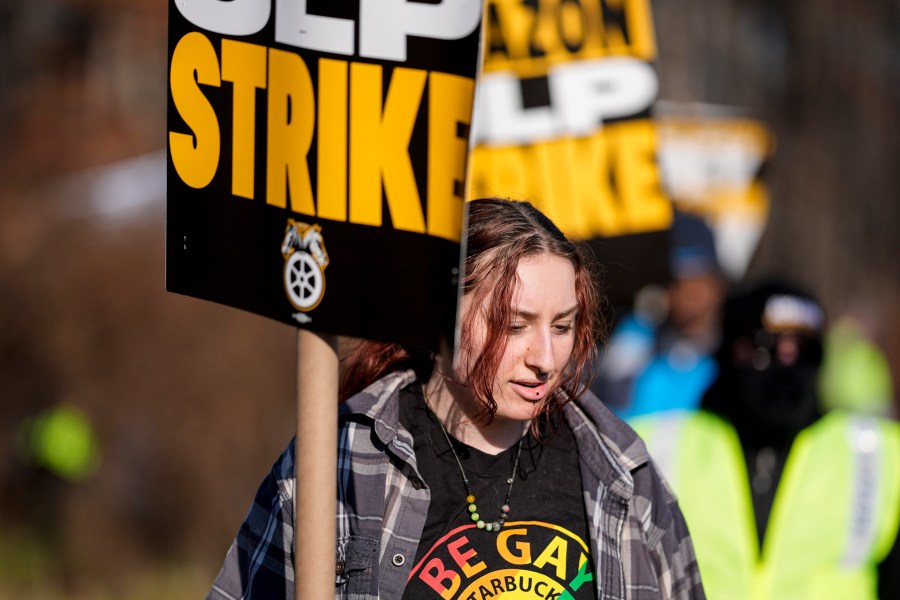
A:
{"x":499,"y":474}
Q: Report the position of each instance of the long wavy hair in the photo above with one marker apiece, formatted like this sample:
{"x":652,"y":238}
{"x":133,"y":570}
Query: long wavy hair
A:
{"x":500,"y":233}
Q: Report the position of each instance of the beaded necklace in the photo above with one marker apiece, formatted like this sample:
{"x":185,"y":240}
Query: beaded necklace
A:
{"x":470,"y":497}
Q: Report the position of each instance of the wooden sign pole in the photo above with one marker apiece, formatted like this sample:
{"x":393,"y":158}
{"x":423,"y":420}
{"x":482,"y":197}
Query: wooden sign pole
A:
{"x":316,"y":466}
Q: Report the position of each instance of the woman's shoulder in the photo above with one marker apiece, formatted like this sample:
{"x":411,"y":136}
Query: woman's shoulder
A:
{"x":620,"y":460}
{"x":378,"y":401}
{"x":597,"y":423}
{"x":375,"y":407}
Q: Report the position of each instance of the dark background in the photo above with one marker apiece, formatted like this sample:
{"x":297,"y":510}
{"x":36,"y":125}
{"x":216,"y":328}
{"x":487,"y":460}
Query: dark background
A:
{"x":192,"y":401}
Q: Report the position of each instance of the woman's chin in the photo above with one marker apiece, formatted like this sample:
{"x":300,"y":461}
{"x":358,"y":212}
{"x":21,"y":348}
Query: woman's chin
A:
{"x":516,"y":409}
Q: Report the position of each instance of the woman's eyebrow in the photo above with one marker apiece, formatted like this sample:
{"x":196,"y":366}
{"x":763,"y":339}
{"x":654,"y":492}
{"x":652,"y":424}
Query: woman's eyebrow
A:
{"x":566,"y":313}
{"x":530,"y":316}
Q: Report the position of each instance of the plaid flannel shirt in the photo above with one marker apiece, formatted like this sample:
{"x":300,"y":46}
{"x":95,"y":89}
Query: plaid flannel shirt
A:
{"x":639,"y":541}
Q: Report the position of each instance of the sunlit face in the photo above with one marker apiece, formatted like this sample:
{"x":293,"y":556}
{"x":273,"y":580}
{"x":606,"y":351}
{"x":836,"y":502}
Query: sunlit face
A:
{"x":541,"y":335}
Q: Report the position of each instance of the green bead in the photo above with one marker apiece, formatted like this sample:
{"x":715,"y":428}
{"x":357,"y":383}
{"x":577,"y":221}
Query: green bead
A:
{"x":475,"y":516}
{"x":480,"y":524}
{"x":489,"y":526}
{"x":472,"y":508}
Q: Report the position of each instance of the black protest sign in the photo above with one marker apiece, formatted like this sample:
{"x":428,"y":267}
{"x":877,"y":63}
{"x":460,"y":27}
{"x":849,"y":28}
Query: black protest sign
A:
{"x":563,"y":119}
{"x":317,"y":156}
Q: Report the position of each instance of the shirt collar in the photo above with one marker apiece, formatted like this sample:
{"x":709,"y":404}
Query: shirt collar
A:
{"x":611,"y":449}
{"x":380,"y":403}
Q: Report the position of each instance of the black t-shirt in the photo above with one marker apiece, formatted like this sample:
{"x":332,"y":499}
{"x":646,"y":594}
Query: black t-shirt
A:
{"x":543,"y":550}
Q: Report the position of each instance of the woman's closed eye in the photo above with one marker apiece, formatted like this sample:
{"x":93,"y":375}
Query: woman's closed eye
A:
{"x":562,"y":328}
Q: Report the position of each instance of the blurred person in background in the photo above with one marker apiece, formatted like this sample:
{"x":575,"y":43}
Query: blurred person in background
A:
{"x":429,"y":452}
{"x":856,"y":375}
{"x":660,"y":356}
{"x":782,"y":500}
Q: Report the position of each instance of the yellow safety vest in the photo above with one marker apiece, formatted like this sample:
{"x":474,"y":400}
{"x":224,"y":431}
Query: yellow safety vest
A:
{"x":833,"y":520}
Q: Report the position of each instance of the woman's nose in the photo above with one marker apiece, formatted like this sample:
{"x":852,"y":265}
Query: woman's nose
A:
{"x":539,"y":355}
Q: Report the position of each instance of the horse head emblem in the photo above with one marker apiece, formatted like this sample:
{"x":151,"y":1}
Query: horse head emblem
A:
{"x":305,"y":259}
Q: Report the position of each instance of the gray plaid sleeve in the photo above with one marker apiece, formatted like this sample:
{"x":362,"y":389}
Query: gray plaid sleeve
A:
{"x":666,"y":539}
{"x":260,"y":562}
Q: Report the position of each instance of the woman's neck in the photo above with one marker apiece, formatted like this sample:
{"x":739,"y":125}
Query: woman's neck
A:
{"x":458,"y":409}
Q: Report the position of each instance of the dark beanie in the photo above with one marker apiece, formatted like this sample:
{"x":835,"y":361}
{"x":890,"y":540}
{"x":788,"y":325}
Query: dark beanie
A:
{"x":774,"y":306}
{"x":692,"y":247}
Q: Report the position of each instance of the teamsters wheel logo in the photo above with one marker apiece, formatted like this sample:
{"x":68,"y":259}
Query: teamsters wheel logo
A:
{"x":305,"y":260}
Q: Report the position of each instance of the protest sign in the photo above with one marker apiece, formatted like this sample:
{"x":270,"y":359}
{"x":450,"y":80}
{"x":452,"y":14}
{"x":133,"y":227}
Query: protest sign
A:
{"x":563,"y":119}
{"x":317,"y":157}
{"x":712,"y":159}
{"x":316,"y":175}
